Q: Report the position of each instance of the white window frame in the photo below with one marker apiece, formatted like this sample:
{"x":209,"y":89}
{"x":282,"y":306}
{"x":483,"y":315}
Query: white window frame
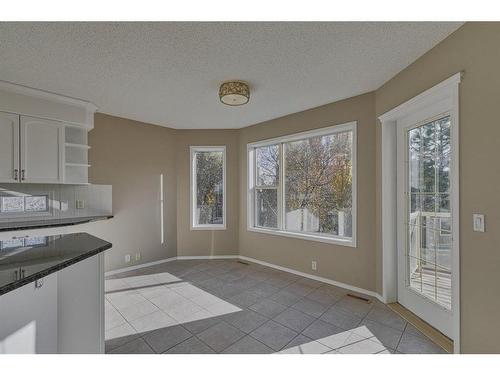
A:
{"x":251,"y":173}
{"x":193,"y":188}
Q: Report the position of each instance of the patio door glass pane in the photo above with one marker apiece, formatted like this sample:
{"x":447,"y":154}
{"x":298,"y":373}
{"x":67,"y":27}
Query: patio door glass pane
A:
{"x":428,"y":220}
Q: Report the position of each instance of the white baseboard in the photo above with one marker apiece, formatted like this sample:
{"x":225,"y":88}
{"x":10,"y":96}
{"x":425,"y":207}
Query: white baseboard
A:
{"x":138,"y":266}
{"x":143,"y":265}
{"x":208,"y":257}
{"x":314,"y":277}
{"x":253,"y":260}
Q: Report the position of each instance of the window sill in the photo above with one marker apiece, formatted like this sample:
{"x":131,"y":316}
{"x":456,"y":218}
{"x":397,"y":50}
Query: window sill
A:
{"x":309,"y":237}
{"x":209,"y":227}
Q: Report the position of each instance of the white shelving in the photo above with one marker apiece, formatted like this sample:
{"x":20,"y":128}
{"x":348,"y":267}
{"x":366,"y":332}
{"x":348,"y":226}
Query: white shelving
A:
{"x":77,"y":145}
{"x":77,"y":174}
{"x":43,"y":136}
{"x":77,"y":165}
{"x":76,"y":155}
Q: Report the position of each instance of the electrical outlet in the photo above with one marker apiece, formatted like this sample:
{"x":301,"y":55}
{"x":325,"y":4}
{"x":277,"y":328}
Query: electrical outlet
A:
{"x":138,"y":256}
{"x":80,"y":204}
{"x":127,"y":258}
{"x":314,"y":265}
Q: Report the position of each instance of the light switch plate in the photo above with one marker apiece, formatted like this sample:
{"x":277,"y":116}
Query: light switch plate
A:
{"x":478,"y":222}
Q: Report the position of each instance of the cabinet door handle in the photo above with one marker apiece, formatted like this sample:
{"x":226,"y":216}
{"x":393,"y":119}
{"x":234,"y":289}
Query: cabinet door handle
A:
{"x":22,"y":175}
{"x":15,"y":275}
{"x":16,"y":174}
{"x":23,"y":273}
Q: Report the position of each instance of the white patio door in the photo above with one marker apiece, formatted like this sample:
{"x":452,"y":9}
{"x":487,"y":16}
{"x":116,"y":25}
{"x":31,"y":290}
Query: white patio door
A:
{"x":425,"y":215}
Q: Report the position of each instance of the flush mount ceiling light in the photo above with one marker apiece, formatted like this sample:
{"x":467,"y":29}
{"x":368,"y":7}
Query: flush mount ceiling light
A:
{"x":234,"y":93}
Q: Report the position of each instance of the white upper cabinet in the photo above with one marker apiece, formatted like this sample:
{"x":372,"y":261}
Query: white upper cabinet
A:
{"x":43,"y":136}
{"x":9,"y":147}
{"x":42,"y":150}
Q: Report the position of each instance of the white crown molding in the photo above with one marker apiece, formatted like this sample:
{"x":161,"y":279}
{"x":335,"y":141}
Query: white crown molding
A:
{"x":30,"y":91}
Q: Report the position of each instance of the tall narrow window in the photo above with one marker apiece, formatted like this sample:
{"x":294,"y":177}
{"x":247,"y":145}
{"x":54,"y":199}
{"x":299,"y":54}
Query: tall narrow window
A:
{"x":208,"y":176}
{"x":303,"y":185}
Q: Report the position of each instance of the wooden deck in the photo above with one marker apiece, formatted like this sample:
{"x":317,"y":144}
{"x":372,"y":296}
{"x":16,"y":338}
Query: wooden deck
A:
{"x":434,"y":285}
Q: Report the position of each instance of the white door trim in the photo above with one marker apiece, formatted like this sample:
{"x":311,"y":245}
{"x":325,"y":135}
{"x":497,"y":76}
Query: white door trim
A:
{"x":447,"y":89}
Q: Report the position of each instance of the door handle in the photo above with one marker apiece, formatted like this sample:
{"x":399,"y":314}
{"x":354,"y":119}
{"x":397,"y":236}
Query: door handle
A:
{"x":16,"y":174}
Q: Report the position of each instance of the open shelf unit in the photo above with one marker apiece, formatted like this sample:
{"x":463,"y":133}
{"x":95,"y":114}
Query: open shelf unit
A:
{"x":76,"y":166}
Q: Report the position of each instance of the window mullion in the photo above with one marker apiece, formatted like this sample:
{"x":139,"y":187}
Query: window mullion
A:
{"x":254,"y":204}
{"x":281,"y":189}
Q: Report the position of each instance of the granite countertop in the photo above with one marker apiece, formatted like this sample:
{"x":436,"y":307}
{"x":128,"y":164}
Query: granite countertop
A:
{"x":27,"y":259}
{"x":33,"y":224}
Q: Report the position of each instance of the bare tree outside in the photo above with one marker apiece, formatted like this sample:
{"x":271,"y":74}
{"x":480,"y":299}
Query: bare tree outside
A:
{"x":267,"y":162}
{"x":209,"y":187}
{"x":317,"y":185}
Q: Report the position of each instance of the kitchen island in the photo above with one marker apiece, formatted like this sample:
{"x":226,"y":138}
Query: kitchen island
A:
{"x":52,"y":294}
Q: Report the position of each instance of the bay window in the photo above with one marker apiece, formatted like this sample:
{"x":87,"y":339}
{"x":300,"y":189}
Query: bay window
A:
{"x":304,"y":185}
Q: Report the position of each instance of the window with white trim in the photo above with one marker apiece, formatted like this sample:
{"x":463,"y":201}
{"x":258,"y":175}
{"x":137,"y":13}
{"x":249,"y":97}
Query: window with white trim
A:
{"x":208,"y":187}
{"x":304,"y":185}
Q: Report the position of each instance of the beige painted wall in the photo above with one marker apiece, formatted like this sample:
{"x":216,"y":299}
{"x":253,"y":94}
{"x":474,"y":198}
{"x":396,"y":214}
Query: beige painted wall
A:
{"x":475,"y":49}
{"x":354,"y":266}
{"x":207,"y":242}
{"x":130,"y":156}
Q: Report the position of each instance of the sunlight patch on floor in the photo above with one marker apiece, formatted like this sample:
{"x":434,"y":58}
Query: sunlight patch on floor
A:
{"x":359,"y":340}
{"x":138,"y":304}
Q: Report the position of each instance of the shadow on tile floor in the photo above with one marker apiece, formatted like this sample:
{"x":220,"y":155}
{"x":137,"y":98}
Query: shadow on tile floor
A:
{"x":224,"y":306}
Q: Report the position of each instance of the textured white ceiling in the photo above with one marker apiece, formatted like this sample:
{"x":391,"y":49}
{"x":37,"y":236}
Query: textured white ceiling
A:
{"x":169,"y":73}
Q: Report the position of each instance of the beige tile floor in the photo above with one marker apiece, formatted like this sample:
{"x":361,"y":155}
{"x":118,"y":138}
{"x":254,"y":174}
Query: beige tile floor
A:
{"x":223,"y":306}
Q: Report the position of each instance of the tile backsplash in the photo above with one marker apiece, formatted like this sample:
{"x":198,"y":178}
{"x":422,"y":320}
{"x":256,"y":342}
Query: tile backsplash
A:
{"x":22,"y":202}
